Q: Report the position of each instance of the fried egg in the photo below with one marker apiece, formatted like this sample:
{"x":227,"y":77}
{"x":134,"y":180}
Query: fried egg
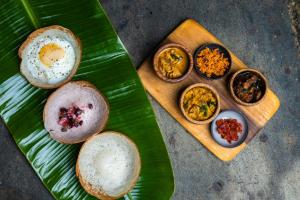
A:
{"x":50,"y":56}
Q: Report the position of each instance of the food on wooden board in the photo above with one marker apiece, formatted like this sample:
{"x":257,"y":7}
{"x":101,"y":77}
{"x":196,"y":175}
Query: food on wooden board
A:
{"x":229,"y":129}
{"x":173,"y":62}
{"x":249,"y":87}
{"x":199,"y":103}
{"x":211,"y":62}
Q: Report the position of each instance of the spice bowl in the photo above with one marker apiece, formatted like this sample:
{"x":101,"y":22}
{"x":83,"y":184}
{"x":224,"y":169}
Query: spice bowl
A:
{"x":217,"y":61}
{"x":173,"y":62}
{"x":248,"y":87}
{"x":199,"y":103}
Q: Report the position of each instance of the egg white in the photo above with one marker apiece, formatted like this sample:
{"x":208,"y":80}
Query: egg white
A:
{"x":61,"y":68}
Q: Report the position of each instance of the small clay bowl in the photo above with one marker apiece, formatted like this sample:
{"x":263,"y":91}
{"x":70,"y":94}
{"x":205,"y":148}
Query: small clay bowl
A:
{"x":211,"y":46}
{"x":204,"y":86}
{"x":189,"y":67}
{"x":257,"y":73}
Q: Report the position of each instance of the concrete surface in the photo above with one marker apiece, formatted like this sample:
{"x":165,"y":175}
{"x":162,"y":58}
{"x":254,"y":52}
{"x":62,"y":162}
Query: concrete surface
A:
{"x":262,"y":34}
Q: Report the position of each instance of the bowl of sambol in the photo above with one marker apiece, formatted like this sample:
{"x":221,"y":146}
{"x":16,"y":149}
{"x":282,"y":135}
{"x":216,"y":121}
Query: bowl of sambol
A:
{"x":229,"y":128}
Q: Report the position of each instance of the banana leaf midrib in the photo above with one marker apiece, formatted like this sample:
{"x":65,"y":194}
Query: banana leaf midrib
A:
{"x":30,"y":13}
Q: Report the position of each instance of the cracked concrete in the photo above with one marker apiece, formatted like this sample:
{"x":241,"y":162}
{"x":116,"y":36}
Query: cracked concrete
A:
{"x":261,"y":34}
{"x":294,"y":12}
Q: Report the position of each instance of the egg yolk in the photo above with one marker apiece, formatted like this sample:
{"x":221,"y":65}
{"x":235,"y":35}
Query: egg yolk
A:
{"x":51,"y":53}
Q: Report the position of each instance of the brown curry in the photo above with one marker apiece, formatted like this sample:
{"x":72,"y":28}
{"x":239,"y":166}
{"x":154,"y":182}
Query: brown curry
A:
{"x":249,"y":87}
{"x":173,"y":62}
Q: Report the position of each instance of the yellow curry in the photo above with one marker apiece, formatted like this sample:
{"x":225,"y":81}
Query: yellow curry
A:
{"x":199,"y":103}
{"x":173,"y":62}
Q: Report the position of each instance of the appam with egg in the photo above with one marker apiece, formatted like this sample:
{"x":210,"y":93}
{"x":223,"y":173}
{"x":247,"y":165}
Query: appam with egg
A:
{"x":50,"y":56}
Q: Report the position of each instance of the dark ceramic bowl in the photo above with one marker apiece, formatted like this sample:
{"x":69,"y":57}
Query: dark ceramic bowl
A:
{"x":212,"y":46}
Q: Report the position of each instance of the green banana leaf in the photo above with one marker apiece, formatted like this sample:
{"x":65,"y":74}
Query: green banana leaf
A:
{"x":106,"y":64}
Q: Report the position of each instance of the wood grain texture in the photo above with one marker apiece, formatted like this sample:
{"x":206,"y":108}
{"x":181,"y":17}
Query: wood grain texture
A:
{"x":191,"y":34}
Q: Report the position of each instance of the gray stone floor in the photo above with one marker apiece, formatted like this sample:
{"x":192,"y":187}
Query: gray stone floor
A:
{"x":262,"y":34}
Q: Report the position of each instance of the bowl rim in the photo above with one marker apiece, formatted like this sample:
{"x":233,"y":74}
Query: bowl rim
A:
{"x":250,"y":70}
{"x":244,"y":136}
{"x":170,"y":45}
{"x":202,"y":47}
{"x":213,"y":91}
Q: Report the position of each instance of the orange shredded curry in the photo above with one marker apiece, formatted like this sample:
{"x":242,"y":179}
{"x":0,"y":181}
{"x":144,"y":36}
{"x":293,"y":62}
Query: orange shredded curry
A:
{"x":212,"y":62}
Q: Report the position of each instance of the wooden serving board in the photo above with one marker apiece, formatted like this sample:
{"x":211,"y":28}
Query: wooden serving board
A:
{"x":191,"y":34}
